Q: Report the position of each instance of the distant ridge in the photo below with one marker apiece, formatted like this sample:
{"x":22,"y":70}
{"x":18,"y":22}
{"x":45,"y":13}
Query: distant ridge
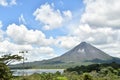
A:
{"x":82,"y":54}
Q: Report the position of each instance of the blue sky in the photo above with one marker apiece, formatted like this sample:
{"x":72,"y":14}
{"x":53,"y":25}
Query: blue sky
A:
{"x":10,"y":14}
{"x":49,"y":28}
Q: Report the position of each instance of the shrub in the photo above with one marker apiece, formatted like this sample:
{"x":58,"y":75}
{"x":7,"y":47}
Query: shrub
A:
{"x":5,"y":73}
{"x":86,"y":76}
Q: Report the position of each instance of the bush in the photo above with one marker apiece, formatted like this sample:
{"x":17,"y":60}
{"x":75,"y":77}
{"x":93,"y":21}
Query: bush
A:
{"x":86,"y":76}
{"x":5,"y":73}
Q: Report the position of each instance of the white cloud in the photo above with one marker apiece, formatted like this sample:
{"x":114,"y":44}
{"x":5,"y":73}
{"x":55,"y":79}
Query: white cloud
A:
{"x":66,"y":42}
{"x":1,"y":31}
{"x":3,"y":3}
{"x":7,"y":2}
{"x":68,"y":14}
{"x":13,"y":2}
{"x":1,"y":35}
{"x":1,"y":24}
{"x":102,"y":13}
{"x":22,"y":19}
{"x":41,"y":53}
{"x":50,"y":17}
{"x":32,"y":40}
{"x":98,"y":35}
{"x":34,"y":53}
{"x":7,"y":46}
{"x":111,"y":48}
{"x":21,"y":35}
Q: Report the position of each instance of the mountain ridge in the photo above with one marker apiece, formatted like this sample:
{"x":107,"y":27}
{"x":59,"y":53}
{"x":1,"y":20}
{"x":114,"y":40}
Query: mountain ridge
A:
{"x":82,"y":54}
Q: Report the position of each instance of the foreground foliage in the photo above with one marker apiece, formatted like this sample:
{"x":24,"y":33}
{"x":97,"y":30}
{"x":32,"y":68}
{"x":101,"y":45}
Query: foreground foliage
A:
{"x":107,"y":71}
{"x":5,"y":60}
{"x":5,"y":73}
{"x":69,"y":76}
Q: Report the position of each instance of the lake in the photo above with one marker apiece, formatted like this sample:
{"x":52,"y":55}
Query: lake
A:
{"x":20,"y":72}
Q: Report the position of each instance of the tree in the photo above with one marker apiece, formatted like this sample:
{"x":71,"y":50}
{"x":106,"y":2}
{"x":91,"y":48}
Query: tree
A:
{"x":5,"y":60}
{"x":87,"y":76}
{"x":5,"y":73}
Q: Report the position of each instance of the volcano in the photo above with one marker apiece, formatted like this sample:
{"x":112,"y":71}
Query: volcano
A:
{"x":82,"y":54}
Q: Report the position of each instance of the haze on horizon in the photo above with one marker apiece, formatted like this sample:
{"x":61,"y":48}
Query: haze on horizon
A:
{"x":49,"y":28}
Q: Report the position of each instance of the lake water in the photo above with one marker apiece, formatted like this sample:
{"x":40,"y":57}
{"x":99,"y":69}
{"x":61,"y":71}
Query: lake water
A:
{"x":20,"y":72}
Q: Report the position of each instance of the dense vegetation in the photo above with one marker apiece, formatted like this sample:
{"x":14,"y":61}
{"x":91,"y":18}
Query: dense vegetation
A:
{"x":71,"y":76}
{"x":108,"y":71}
{"x":95,"y":67}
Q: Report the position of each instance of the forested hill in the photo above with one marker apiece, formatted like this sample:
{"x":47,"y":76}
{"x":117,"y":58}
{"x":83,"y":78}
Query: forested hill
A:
{"x":95,"y":67}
